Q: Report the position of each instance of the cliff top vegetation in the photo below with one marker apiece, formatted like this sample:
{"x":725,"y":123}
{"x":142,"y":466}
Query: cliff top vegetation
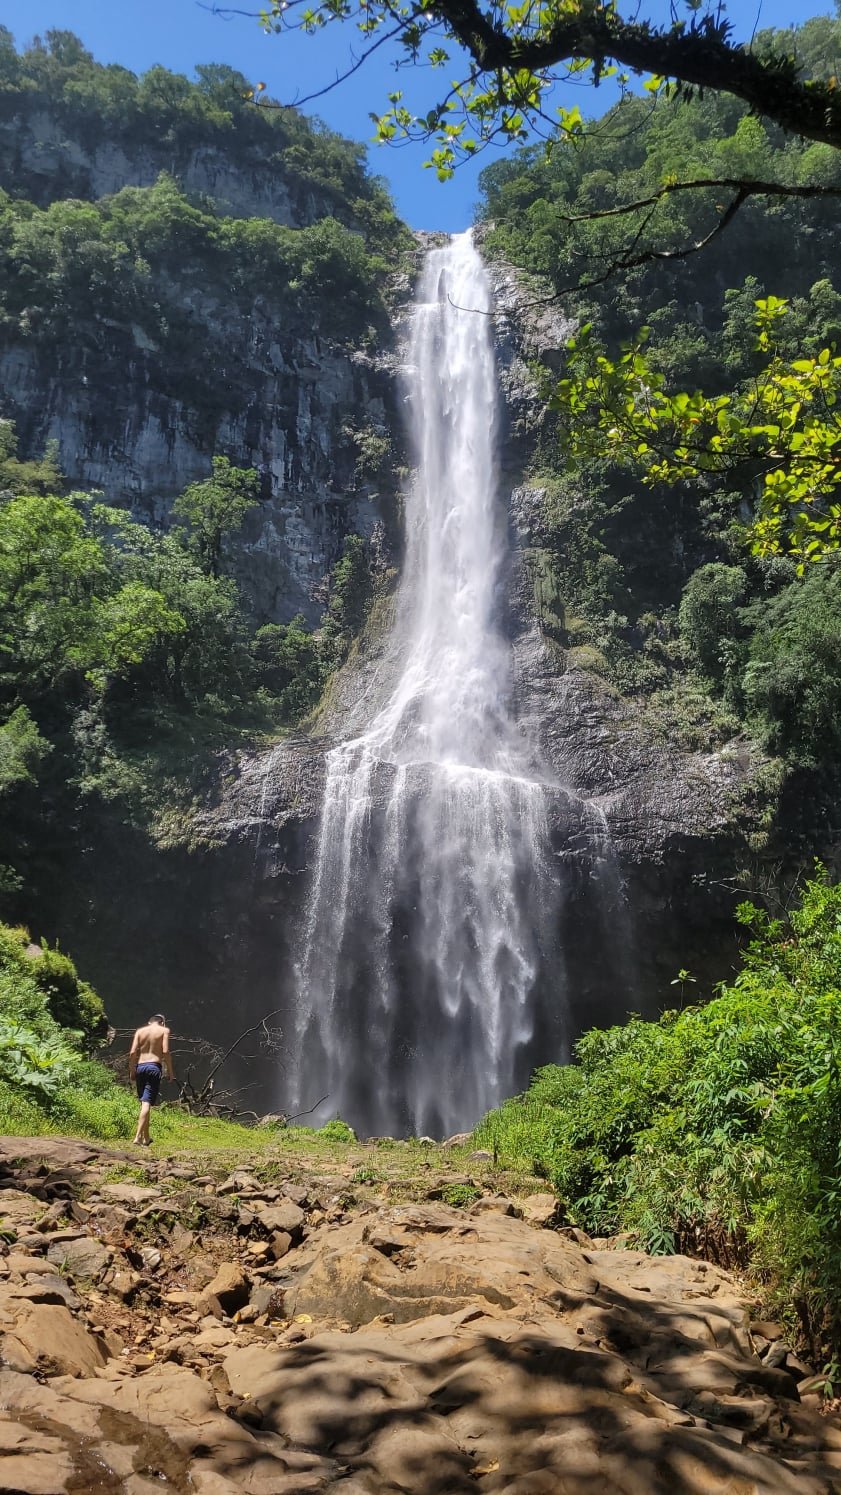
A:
{"x":56,"y":87}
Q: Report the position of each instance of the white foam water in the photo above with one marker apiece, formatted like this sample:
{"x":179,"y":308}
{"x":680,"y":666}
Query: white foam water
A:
{"x":432,"y":891}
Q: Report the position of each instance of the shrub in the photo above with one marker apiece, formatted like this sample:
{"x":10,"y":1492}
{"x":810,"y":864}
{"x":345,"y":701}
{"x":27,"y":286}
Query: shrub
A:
{"x":337,"y":1131}
{"x":717,"y":1129}
{"x":48,"y":1019}
{"x":709,"y":617}
{"x":792,"y":682}
{"x":73,"y":1003}
{"x":350,"y":597}
{"x":460,"y":1196}
{"x":31,"y":1062}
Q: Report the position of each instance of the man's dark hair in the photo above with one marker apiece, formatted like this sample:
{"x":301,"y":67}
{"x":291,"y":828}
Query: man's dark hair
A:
{"x":158,"y":1018}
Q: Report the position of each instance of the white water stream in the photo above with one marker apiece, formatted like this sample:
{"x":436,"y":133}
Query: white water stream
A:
{"x":433,"y":885}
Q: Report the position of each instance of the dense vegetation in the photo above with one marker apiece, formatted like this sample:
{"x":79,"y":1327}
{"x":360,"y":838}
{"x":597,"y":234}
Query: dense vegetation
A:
{"x":716,"y":1130}
{"x":171,"y":119}
{"x":123,"y":650}
{"x":50,"y":1023}
{"x":654,"y":585}
{"x":128,"y":655}
{"x":148,"y":268}
{"x":160,"y":279}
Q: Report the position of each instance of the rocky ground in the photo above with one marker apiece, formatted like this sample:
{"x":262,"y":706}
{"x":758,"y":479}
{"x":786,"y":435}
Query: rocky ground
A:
{"x":296,"y":1327}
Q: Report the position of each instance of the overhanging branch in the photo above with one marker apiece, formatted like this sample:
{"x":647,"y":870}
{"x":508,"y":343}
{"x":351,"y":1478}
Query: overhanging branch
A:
{"x":746,"y":187}
{"x":700,"y":55}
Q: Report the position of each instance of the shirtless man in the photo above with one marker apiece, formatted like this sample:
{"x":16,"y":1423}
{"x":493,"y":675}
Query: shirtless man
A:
{"x":148,"y":1058}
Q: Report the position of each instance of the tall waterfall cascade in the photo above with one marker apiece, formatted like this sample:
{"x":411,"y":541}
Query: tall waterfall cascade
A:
{"x":434,"y":888}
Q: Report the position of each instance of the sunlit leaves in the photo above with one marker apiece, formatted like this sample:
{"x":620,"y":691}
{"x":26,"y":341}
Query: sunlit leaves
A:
{"x":779,"y":436}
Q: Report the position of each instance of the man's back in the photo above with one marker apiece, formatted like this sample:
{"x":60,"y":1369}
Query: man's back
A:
{"x":151,"y":1043}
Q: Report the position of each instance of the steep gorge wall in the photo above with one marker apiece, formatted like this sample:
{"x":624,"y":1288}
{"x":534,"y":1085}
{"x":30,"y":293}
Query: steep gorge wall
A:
{"x":284,"y":404}
{"x":139,"y":416}
{"x":646,"y":836}
{"x":52,"y":156}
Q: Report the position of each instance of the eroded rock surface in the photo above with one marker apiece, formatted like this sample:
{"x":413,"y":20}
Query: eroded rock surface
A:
{"x":391,"y":1346}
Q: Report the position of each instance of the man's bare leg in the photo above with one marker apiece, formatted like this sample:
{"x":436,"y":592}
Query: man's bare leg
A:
{"x":142,"y":1134}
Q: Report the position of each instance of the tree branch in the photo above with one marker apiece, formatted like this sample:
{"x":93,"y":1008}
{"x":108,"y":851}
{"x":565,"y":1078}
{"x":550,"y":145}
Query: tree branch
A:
{"x":747,"y":188}
{"x":628,"y":261}
{"x":700,"y":55}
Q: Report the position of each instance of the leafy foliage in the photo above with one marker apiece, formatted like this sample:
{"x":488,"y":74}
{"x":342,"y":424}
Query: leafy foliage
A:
{"x":779,"y":431}
{"x":337,"y":1131}
{"x":119,"y":644}
{"x":171,"y":118}
{"x":507,"y":60}
{"x":717,"y":1129}
{"x":648,"y":490}
{"x":216,"y":507}
{"x":31,"y":1062}
{"x":162,"y":273}
{"x":40,"y":476}
{"x":42,"y":993}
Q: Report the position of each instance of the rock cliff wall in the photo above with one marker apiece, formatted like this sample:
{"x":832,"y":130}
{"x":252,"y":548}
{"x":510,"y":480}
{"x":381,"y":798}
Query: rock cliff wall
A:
{"x":54,"y":157}
{"x":286,"y":405}
{"x":256,"y":383}
{"x":646,"y":836}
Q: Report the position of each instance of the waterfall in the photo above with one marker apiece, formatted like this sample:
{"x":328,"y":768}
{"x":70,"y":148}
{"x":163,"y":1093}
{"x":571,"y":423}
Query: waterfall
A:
{"x":434,"y":888}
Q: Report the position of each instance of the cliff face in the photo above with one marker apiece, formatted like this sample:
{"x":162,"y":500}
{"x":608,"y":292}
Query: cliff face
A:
{"x":266,"y":375}
{"x":54,"y":156}
{"x":645,"y":836}
{"x":286,"y":405}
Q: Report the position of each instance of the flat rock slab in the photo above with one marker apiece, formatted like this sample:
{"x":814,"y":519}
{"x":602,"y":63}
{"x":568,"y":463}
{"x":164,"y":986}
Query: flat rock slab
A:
{"x":20,"y":1208}
{"x":430,"y":1260}
{"x":135,"y":1194}
{"x":60,"y":1152}
{"x":519,"y":1409}
{"x":434,"y":1351}
{"x":46,"y":1336}
{"x":285,"y":1215}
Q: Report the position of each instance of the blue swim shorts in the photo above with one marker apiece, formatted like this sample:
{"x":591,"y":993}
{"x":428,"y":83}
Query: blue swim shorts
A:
{"x":147,"y":1078}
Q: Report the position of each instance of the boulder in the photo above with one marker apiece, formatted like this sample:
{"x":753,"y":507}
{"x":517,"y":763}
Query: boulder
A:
{"x":19,"y":1208}
{"x":285,"y":1215}
{"x":541,"y":1209}
{"x":50,"y":1337}
{"x":230,"y":1287}
{"x":85,"y":1258}
{"x":491,"y":1260}
{"x":240,"y":1182}
{"x":459,"y":1139}
{"x":27,"y":1265}
{"x":131,"y":1194}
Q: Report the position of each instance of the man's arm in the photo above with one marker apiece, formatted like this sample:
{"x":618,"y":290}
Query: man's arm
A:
{"x":132,"y":1055}
{"x":170,"y":1073}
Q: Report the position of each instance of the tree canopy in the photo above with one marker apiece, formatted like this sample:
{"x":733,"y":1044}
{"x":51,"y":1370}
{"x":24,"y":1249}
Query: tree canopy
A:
{"x":508,"y":56}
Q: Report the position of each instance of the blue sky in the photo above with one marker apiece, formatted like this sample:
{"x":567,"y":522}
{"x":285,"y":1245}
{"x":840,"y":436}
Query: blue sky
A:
{"x":181,"y":33}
